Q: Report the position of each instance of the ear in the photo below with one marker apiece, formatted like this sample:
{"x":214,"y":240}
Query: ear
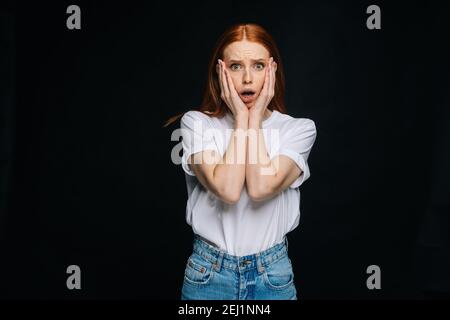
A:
{"x":275,"y":66}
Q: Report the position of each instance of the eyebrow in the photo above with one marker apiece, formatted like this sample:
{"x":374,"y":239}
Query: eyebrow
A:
{"x":254,"y":60}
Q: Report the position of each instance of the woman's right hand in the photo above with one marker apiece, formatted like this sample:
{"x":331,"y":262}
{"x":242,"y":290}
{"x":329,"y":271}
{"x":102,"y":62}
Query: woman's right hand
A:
{"x":229,"y":93}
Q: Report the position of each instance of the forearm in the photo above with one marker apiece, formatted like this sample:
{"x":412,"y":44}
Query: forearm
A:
{"x":260,"y":172}
{"x":229,"y":174}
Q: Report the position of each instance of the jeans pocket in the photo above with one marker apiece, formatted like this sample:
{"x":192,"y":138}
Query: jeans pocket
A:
{"x":198,"y":271}
{"x":279,"y":274}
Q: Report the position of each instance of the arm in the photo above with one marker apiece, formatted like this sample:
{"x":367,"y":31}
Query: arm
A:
{"x":225,"y":177}
{"x":264,"y":177}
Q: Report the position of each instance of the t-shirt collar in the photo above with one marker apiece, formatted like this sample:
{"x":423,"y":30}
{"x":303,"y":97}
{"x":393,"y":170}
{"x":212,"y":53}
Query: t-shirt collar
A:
{"x":264,"y":122}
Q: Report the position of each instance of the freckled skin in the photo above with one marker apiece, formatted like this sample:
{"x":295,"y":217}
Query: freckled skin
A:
{"x":249,"y":74}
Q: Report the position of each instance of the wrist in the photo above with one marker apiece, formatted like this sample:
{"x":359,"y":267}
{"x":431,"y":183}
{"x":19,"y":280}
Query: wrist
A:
{"x":255,"y":120}
{"x":241,"y":121}
{"x":241,"y":116}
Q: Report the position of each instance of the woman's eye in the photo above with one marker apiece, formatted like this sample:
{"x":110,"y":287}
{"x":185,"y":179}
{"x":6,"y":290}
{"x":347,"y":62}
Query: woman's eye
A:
{"x":235,"y":66}
{"x":259,"y":66}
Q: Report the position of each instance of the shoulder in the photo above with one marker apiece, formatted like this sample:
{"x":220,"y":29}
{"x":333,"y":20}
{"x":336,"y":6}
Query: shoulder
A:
{"x":190,"y":117}
{"x":297,"y":124}
{"x":306,"y":123}
{"x":194,"y":114}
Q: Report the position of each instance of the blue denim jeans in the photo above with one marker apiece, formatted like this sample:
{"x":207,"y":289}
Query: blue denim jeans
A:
{"x":212,"y":274}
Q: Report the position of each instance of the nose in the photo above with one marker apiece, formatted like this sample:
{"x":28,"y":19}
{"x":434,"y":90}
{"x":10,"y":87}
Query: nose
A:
{"x":247,"y":77}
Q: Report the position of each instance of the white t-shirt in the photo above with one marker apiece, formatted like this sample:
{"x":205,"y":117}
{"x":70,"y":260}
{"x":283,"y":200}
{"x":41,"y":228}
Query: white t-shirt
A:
{"x":246,"y":227}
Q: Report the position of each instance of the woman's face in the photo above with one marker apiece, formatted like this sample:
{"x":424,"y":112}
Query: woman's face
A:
{"x":246,"y":63}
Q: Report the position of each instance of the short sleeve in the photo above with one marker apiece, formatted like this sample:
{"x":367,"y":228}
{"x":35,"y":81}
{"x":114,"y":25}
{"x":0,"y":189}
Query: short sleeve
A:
{"x":297,"y":144}
{"x":197,"y":135}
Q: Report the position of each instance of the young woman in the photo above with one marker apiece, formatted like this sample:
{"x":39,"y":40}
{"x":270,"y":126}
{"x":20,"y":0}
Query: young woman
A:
{"x":244,"y":160}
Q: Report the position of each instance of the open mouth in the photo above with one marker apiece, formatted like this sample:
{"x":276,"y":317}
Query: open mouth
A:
{"x":247,"y":95}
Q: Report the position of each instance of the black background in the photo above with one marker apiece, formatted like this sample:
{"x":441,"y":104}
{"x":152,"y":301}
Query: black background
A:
{"x":87,"y":176}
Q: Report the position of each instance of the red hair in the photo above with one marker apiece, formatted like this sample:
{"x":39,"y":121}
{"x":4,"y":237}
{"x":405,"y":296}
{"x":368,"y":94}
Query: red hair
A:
{"x":212,"y":103}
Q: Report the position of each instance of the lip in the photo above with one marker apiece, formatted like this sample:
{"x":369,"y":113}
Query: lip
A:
{"x":247,"y":99}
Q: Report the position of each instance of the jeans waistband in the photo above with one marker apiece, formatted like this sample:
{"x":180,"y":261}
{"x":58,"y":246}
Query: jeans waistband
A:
{"x":220,"y":258}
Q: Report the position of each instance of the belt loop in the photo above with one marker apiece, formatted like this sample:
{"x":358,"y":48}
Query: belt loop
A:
{"x":218,"y":263}
{"x":259,"y":263}
{"x":287,"y":243}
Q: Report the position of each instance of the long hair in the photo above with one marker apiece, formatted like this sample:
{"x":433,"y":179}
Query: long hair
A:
{"x":212,"y":104}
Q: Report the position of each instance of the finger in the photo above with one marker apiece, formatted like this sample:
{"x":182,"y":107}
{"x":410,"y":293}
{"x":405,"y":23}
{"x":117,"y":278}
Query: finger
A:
{"x":221,"y":79}
{"x":266,"y":80}
{"x":275,"y":65}
{"x":234,"y":96}
{"x":233,"y":90}
{"x":226,"y":89}
{"x":219,"y":76}
{"x":272,"y":80}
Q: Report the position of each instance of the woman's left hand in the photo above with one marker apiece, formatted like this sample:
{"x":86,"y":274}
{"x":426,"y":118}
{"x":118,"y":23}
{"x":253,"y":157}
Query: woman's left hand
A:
{"x":266,"y":94}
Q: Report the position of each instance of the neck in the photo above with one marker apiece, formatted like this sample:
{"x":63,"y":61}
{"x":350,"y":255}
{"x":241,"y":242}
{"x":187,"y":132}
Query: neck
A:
{"x":268,"y":113}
